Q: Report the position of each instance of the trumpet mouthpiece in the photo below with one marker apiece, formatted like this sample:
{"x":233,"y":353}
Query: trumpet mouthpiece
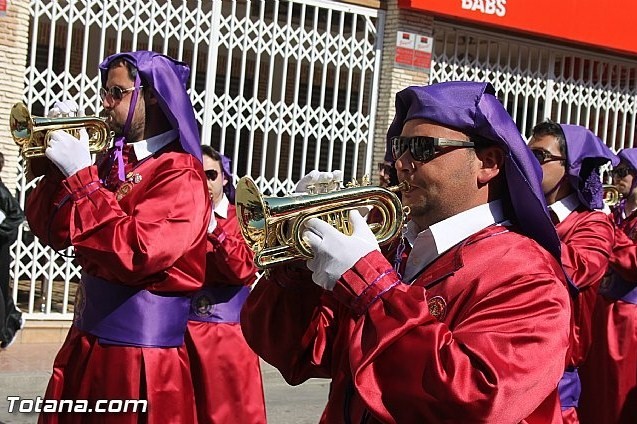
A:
{"x":403,"y":186}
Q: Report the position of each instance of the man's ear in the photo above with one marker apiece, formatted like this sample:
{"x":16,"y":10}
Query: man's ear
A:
{"x":491,"y":163}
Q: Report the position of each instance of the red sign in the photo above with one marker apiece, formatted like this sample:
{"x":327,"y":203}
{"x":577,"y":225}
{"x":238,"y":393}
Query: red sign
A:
{"x":405,"y":42}
{"x":609,"y":25}
{"x":3,"y":7}
{"x":413,"y":50}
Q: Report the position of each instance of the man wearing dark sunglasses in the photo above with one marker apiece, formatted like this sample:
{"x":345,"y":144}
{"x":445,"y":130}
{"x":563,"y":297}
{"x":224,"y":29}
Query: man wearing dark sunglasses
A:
{"x":226,"y":372}
{"x":137,"y":222}
{"x":571,"y":157}
{"x":472,"y":324}
{"x":625,"y":180}
{"x":116,"y":93}
{"x":609,"y":380}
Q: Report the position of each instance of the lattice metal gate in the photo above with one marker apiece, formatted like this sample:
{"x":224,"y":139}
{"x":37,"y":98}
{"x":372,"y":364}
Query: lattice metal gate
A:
{"x":282,"y":87}
{"x":537,"y":81}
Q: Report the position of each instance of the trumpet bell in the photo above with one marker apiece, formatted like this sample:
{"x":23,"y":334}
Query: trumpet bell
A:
{"x":273,"y":226}
{"x":32,"y":134}
{"x":611,"y":195}
{"x":251,"y":213}
{"x":20,"y":124}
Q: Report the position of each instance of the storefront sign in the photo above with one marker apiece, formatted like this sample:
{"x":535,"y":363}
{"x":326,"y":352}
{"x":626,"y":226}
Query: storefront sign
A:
{"x":413,"y":51}
{"x":3,"y":7}
{"x":607,"y":25}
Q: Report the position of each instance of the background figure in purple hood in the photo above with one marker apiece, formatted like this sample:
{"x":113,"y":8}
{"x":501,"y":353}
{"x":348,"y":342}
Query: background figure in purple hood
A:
{"x":625,"y":180}
{"x":137,"y":221}
{"x":571,"y":157}
{"x":609,"y":375}
{"x":226,"y":373}
{"x":472,"y":324}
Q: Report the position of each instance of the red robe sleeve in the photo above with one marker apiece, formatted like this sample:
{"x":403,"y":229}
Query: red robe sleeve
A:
{"x":624,"y":258}
{"x":164,"y":220}
{"x":48,"y":210}
{"x":229,"y":259}
{"x":289,"y":321}
{"x":586,"y":247}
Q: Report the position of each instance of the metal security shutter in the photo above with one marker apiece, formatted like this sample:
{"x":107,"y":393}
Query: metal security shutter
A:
{"x":537,"y":80}
{"x":281,"y":87}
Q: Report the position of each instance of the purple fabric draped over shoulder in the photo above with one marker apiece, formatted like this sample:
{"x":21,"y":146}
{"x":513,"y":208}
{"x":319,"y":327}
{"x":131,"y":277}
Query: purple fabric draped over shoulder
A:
{"x":629,"y":156}
{"x":473,"y":109}
{"x":229,"y":188}
{"x":168,"y":78}
{"x":586,"y":153}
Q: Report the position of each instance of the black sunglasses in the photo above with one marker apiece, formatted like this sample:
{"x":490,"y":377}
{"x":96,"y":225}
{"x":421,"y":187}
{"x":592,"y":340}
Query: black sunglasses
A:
{"x":423,"y":148}
{"x":115,"y":93}
{"x":544,"y":156}
{"x":620,"y":172}
{"x":212,"y":174}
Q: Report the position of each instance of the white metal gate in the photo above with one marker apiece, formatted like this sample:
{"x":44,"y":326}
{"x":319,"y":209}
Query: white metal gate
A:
{"x":537,"y":80}
{"x":281,"y":87}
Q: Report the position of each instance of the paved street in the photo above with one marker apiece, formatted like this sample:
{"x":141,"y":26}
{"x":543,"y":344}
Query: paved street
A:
{"x":25,"y":370}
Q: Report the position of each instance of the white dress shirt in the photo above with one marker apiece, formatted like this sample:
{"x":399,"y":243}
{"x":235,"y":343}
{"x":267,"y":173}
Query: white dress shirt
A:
{"x":148,"y":147}
{"x":220,"y":210}
{"x":564,"y":207}
{"x":442,"y":236}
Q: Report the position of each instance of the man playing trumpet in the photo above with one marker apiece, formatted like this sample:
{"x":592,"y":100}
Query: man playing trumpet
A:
{"x":474,"y":326}
{"x":609,"y":376}
{"x":570,"y":156}
{"x":137,"y":222}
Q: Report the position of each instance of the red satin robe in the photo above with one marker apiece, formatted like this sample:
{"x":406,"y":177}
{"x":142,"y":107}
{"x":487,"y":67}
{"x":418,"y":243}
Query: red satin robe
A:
{"x":225,"y":371}
{"x":587,"y":241}
{"x":481,"y":336}
{"x":153,"y":238}
{"x":609,"y":376}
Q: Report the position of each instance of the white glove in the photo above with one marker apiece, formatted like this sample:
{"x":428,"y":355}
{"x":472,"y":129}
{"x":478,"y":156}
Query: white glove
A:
{"x":335,"y":252}
{"x":68,"y":153}
{"x":331,"y":178}
{"x":317,"y":177}
{"x":66,"y":108}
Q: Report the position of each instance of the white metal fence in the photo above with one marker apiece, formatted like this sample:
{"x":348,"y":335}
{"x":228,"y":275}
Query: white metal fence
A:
{"x":281,"y":87}
{"x":537,"y":81}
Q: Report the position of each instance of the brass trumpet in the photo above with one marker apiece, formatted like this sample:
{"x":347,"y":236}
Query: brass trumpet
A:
{"x":32,"y":134}
{"x":273,"y":226}
{"x":611,"y":195}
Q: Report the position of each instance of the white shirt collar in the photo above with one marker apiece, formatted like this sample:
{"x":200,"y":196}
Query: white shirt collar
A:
{"x":222,"y":208}
{"x":148,"y":147}
{"x":564,"y":207}
{"x":442,"y":236}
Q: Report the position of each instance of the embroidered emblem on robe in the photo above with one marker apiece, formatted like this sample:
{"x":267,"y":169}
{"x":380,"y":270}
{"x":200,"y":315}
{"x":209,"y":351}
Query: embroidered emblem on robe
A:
{"x":437,"y":307}
{"x":203,"y":305}
{"x":123,"y":190}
